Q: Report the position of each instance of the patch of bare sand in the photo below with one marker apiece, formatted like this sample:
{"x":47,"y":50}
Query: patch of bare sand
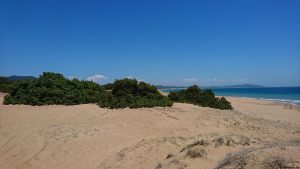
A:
{"x":183,"y":136}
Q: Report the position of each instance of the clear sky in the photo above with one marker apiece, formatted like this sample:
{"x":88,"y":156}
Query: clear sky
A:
{"x":166,"y":42}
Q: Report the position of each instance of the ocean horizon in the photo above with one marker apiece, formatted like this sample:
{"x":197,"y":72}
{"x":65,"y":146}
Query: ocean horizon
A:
{"x":289,"y":95}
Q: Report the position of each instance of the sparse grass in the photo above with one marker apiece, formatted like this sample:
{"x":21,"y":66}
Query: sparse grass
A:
{"x":278,"y":162}
{"x":245,"y":141}
{"x":219,"y":141}
{"x":236,"y":160}
{"x":240,"y":159}
{"x":201,"y":142}
{"x":231,"y":140}
{"x":196,"y":152}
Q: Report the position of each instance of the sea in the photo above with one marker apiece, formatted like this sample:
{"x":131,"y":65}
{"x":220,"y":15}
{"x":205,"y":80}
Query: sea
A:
{"x":289,"y":95}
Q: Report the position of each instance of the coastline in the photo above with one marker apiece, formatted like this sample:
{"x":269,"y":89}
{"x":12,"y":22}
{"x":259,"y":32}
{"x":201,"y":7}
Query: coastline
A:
{"x":286,"y":105}
{"x":284,"y":102}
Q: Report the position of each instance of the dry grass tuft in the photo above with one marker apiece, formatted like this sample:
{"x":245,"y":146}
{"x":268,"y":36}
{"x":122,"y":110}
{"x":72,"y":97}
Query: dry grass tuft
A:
{"x":231,"y":140}
{"x":236,"y":160}
{"x":201,"y":142}
{"x":278,"y":162}
{"x":196,"y":152}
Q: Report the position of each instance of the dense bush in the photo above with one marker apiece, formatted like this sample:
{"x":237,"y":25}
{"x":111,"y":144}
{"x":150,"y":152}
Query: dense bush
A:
{"x":205,"y":98}
{"x":133,"y":94}
{"x":7,"y":85}
{"x":53,"y":88}
{"x":108,"y":86}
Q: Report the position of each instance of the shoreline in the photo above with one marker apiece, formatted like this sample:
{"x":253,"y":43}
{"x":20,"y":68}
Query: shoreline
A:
{"x":287,"y":105}
{"x":277,"y":101}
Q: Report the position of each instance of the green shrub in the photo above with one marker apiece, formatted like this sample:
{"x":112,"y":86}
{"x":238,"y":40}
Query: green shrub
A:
{"x":7,"y":85}
{"x":54,"y":88}
{"x":133,"y":94}
{"x":205,"y":98}
{"x":108,"y":86}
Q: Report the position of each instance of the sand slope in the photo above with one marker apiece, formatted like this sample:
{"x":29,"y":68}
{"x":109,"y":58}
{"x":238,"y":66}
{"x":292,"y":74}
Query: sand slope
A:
{"x":86,"y":136}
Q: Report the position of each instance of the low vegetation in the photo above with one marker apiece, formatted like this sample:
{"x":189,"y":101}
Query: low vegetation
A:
{"x":196,"y":152}
{"x":231,"y":140}
{"x":237,"y":160}
{"x":278,"y":162}
{"x":53,"y":88}
{"x":201,"y":142}
{"x":108,"y":86}
{"x":196,"y":96}
{"x":7,"y":85}
{"x":133,"y":94}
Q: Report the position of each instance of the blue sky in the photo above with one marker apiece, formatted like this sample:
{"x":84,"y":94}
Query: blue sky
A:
{"x":162,"y":42}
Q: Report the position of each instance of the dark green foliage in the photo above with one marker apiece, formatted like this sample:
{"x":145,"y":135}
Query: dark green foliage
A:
{"x":7,"y":84}
{"x":125,"y":87}
{"x":205,"y":98}
{"x":53,"y":88}
{"x":108,"y":86}
{"x":133,"y":94}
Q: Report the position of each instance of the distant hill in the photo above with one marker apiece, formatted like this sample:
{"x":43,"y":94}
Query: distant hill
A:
{"x":14,"y":77}
{"x":240,"y":86}
{"x":213,"y":87}
{"x":168,"y":87}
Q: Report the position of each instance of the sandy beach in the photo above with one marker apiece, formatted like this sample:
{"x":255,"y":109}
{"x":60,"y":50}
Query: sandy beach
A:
{"x":89,"y":137}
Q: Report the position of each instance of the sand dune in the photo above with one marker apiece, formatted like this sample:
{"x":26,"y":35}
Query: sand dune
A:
{"x":183,"y":136}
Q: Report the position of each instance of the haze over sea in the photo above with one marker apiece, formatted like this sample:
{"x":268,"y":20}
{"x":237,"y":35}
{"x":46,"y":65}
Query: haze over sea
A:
{"x":279,"y":94}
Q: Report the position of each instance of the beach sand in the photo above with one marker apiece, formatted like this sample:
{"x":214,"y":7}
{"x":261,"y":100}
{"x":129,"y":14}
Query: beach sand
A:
{"x":183,"y":136}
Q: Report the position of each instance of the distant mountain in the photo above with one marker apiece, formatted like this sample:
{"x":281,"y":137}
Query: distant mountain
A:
{"x":213,"y":87}
{"x":14,"y":77}
{"x":168,"y":87}
{"x":240,"y":86}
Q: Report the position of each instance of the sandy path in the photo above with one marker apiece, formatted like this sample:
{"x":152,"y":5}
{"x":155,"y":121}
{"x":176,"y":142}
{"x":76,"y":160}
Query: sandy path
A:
{"x":86,"y":136}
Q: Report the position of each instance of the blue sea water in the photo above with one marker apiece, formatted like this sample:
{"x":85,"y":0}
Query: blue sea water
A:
{"x":279,"y":94}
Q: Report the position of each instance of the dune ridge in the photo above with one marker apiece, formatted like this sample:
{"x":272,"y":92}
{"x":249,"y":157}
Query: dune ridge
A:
{"x":181,"y":136}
